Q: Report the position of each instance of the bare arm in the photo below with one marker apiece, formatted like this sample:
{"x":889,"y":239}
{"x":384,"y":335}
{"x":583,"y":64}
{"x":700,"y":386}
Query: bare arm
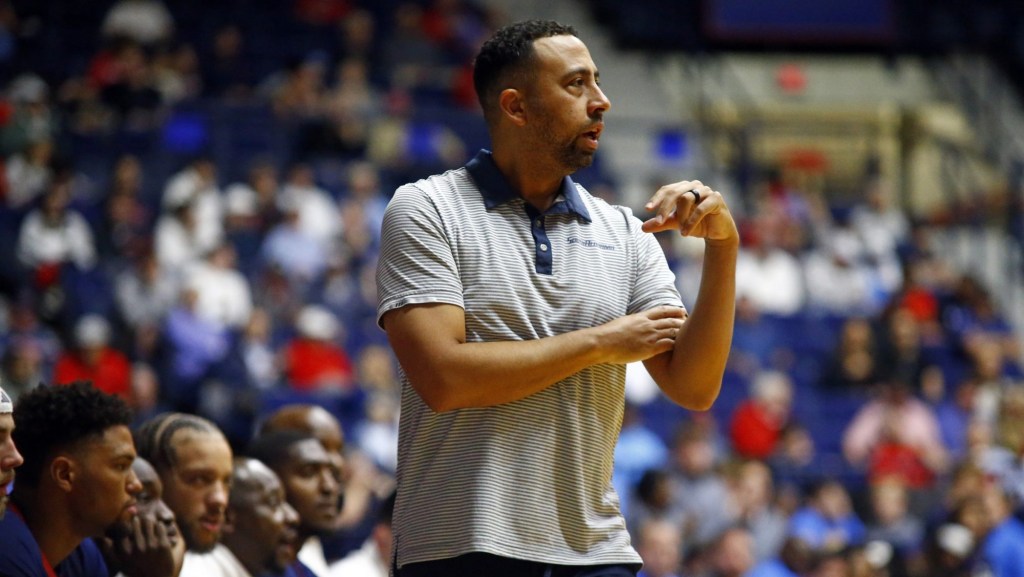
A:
{"x":691,"y":373}
{"x":449,"y":373}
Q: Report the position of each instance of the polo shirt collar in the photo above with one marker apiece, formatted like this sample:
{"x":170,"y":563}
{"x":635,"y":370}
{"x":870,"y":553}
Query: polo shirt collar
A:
{"x":496,"y":190}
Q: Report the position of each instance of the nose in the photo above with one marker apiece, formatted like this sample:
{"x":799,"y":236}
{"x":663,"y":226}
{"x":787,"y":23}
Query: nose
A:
{"x":291,"y":516}
{"x":328,"y":482}
{"x":12,"y":459}
{"x":599,"y":103}
{"x":134,"y":486}
{"x":218,"y":497}
{"x":164,"y":513}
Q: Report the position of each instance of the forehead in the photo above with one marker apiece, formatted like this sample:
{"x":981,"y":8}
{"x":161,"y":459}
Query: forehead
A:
{"x":6,"y":422}
{"x":262,"y":481}
{"x":308,"y":451}
{"x":145,"y":472}
{"x":562,"y":54}
{"x":194,"y":449}
{"x":114,"y":442}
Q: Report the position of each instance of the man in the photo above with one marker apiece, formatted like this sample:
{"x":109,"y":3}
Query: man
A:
{"x":373,"y":559}
{"x":513,"y":300}
{"x":260,"y":528}
{"x":304,"y":467}
{"x":10,"y":458}
{"x":149,"y":543}
{"x":193,"y":459}
{"x":660,"y":544}
{"x":76,"y":481}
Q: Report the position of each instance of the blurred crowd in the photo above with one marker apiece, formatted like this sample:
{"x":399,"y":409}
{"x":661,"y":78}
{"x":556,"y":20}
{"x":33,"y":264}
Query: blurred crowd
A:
{"x":872,"y":417}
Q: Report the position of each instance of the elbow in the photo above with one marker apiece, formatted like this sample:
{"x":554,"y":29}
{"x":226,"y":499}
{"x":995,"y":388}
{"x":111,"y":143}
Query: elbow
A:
{"x":435,"y":394}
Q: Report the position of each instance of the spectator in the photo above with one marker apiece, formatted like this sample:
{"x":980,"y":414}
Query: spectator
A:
{"x":33,"y":118}
{"x":133,"y":96}
{"x":227,"y":72}
{"x":770,"y":277}
{"x":177,"y":241}
{"x":795,"y":559}
{"x":892,"y":522}
{"x":144,"y":294}
{"x":193,"y":459}
{"x":261,"y":363}
{"x":22,"y":367}
{"x":251,"y":206}
{"x":28,"y":173}
{"x":659,"y":544}
{"x":304,"y":467}
{"x":10,"y":458}
{"x":124,"y":232}
{"x":93,"y":359}
{"x":1001,"y":547}
{"x":193,"y":346}
{"x":54,"y":235}
{"x":75,"y":483}
{"x":753,"y":494}
{"x":144,"y":21}
{"x":699,"y":491}
{"x":896,"y":434}
{"x":223,"y":295}
{"x":293,"y":250}
{"x":827,"y":522}
{"x":318,"y":213}
{"x":758,"y":422}
{"x":732,"y":553}
{"x":854,"y":363}
{"x":639,"y":450}
{"x":196,"y":184}
{"x":313,"y":361}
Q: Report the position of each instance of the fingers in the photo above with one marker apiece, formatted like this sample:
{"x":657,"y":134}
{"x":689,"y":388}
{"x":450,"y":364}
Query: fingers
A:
{"x":666,"y":312}
{"x":682,"y":206}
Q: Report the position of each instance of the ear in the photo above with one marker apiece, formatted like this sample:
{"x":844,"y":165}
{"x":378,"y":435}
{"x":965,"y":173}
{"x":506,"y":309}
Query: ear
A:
{"x":64,"y":471}
{"x":512,"y":104}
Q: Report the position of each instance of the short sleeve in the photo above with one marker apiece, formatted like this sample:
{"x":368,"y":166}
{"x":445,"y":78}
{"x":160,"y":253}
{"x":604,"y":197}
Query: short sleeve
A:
{"x":417,"y":264}
{"x":655,"y":283}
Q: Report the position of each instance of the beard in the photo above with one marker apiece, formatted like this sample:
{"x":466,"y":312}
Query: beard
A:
{"x":565,"y":150}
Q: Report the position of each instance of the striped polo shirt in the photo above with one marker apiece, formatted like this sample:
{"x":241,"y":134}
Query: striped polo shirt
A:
{"x":530,"y":479}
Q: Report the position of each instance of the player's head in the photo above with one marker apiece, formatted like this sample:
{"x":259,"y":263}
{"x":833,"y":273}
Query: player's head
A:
{"x":262,"y":528}
{"x":10,"y":458}
{"x":304,"y":467}
{"x":193,"y":459}
{"x":505,"y":58}
{"x":78,"y":455}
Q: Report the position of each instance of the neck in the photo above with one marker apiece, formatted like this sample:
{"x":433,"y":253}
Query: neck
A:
{"x":50,"y":524}
{"x":535,"y":179}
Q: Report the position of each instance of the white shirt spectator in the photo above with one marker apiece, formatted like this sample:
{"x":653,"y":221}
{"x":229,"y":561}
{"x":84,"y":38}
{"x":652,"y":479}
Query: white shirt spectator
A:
{"x":200,"y":188}
{"x":223,"y":294}
{"x":772,"y":279}
{"x":366,"y":562}
{"x":68,"y":240}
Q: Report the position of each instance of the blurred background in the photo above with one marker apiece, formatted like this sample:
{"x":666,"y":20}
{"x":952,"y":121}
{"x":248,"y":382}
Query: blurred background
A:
{"x":191,"y":194}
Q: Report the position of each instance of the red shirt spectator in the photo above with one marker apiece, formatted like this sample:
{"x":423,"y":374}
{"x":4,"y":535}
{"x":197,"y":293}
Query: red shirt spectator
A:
{"x":758,"y":422}
{"x":313,"y":361}
{"x":92,"y":360}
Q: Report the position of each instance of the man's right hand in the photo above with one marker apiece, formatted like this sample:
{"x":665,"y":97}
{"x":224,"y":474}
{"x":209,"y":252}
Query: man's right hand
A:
{"x":640,"y":336}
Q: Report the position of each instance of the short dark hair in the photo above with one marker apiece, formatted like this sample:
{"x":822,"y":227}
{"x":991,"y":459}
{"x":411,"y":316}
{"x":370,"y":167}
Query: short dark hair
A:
{"x":153,"y":438}
{"x":272,"y":448}
{"x":51,"y":418}
{"x":507,"y":52}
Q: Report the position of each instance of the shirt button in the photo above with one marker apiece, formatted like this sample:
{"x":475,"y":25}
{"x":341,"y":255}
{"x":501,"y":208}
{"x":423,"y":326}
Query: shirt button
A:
{"x":544,"y":247}
{"x":538,"y":223}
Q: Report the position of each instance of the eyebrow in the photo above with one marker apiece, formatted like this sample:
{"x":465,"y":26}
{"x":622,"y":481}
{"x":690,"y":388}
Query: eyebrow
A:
{"x":584,"y":71}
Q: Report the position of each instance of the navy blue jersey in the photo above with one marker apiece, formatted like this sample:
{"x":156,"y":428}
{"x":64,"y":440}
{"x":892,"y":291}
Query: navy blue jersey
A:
{"x":20,"y":555}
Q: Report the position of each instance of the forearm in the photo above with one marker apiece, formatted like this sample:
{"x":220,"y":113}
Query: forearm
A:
{"x":461,"y":375}
{"x":691,"y":374}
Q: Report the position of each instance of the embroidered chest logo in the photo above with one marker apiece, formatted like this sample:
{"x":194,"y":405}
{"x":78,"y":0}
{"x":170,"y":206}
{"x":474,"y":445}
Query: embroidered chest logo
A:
{"x":589,"y":243}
